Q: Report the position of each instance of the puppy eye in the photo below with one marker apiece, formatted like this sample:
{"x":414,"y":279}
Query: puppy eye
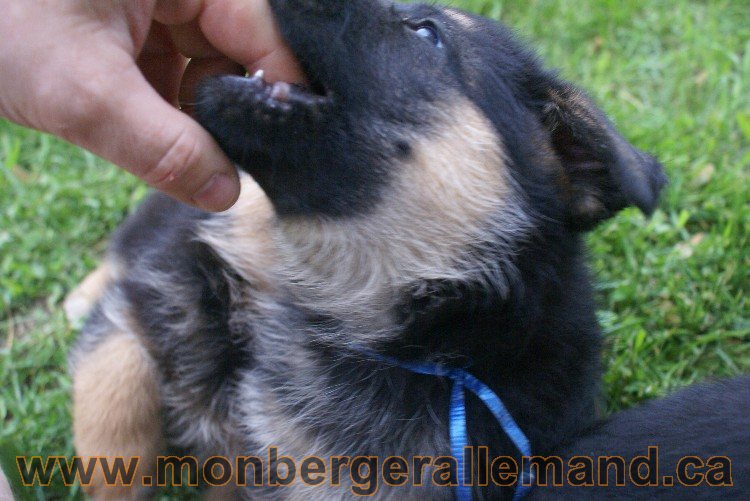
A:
{"x":428,"y":32}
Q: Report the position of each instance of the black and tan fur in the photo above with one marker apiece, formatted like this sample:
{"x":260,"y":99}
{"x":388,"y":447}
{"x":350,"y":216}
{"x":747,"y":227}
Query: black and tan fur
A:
{"x":425,"y":200}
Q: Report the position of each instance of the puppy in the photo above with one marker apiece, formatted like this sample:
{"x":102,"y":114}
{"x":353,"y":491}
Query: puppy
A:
{"x":421,"y":202}
{"x":694,"y":444}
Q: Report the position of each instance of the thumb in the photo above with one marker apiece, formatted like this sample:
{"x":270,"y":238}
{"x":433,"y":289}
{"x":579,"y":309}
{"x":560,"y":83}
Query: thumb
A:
{"x":133,"y":127}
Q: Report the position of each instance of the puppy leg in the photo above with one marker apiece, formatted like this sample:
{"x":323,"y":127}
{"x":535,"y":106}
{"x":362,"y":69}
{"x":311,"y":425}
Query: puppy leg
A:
{"x":117,"y":412}
{"x":79,"y":303}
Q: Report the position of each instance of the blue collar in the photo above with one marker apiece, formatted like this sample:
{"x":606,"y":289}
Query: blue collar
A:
{"x":457,"y":418}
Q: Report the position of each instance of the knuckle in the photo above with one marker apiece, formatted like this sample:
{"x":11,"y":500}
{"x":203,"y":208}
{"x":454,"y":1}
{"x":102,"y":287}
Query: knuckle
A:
{"x":180,"y":155}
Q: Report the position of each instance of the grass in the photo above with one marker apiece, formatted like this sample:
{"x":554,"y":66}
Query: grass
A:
{"x":674,"y":76}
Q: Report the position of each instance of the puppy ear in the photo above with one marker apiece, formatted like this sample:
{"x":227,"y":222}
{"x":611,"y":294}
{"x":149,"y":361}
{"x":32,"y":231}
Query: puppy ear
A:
{"x":601,"y":172}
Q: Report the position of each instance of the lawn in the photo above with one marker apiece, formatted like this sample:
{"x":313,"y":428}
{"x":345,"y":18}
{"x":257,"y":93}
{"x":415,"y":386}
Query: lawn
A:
{"x":673,"y":290}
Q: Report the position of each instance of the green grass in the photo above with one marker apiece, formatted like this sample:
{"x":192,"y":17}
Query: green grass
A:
{"x":674,"y":76}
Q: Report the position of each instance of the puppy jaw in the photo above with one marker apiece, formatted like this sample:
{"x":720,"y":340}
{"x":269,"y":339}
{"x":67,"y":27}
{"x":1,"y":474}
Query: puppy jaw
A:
{"x":450,"y":213}
{"x":243,"y":236}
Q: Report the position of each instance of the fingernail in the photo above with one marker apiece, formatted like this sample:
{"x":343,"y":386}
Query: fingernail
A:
{"x":218,"y":194}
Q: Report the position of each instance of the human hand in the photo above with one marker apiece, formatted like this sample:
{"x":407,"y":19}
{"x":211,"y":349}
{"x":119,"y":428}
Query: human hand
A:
{"x":107,"y":75}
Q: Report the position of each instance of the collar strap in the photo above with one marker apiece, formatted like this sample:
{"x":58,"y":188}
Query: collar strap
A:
{"x":463,"y":380}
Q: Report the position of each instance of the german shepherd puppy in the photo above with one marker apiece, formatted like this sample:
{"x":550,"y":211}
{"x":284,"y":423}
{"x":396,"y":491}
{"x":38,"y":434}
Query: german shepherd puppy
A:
{"x":423,"y":199}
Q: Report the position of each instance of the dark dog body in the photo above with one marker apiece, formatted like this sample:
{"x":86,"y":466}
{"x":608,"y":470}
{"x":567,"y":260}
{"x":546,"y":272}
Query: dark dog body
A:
{"x":426,"y":203}
{"x":704,"y":427}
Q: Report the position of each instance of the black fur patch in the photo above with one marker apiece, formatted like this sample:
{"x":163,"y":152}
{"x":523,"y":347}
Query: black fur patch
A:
{"x":704,"y":421}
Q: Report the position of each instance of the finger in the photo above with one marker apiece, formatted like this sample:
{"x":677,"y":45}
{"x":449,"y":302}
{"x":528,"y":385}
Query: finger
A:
{"x":190,"y":41}
{"x":161,"y":63}
{"x":197,"y":71}
{"x":136,"y":129}
{"x":275,"y":65}
{"x":172,"y":12}
{"x":164,"y":74}
{"x":246,"y":32}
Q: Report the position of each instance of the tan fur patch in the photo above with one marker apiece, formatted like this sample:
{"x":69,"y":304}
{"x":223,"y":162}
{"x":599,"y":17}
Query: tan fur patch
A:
{"x":116,"y":410}
{"x":243,"y":235}
{"x":461,"y":18}
{"x":79,"y":303}
{"x":453,"y":194}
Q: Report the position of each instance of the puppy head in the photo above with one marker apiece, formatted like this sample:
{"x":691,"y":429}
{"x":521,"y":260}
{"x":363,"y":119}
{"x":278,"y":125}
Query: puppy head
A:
{"x":559,"y":144}
{"x":426,"y":146}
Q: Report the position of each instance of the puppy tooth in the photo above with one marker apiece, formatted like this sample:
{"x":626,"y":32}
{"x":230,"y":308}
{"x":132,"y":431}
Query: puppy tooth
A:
{"x":281,"y":91}
{"x":260,"y":74}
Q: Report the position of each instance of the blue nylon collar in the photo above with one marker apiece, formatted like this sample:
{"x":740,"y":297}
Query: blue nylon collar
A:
{"x":462,"y":381}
